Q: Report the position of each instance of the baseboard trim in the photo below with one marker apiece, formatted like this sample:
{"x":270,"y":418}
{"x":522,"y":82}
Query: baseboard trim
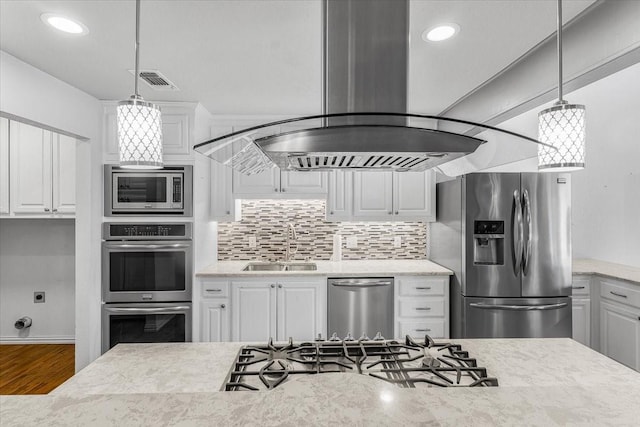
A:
{"x":38,"y":340}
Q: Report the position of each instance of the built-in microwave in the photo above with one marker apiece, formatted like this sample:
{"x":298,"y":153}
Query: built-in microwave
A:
{"x":166,"y":191}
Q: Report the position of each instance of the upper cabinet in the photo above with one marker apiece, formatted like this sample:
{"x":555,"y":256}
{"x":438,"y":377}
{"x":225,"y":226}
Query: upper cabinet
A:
{"x":381,"y":196}
{"x":177,"y":131}
{"x":4,"y":166}
{"x":42,"y":171}
{"x":274,"y":183}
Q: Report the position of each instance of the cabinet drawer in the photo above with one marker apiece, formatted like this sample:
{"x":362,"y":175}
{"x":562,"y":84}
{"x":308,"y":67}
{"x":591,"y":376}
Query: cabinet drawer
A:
{"x":421,"y":307}
{"x":620,"y":292}
{"x":422,"y":286}
{"x":417,"y":330}
{"x":581,"y":285}
{"x":215,"y":289}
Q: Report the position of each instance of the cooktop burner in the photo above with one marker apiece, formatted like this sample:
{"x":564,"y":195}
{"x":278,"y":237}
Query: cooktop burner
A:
{"x":409,"y":364}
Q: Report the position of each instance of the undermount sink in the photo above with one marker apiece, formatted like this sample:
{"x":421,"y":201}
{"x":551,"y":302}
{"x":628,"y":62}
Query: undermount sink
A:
{"x":280,"y":266}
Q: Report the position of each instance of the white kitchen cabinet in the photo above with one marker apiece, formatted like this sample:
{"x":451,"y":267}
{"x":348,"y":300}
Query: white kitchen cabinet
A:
{"x":42,"y":171}
{"x":177,"y":131}
{"x":4,"y":166}
{"x":274,"y":182}
{"x":581,"y":320}
{"x":223,"y":205}
{"x":214,"y":321}
{"x":278,"y":308}
{"x":340,"y":196}
{"x":620,"y":333}
{"x":381,"y":196}
{"x":421,"y":307}
{"x":581,"y":309}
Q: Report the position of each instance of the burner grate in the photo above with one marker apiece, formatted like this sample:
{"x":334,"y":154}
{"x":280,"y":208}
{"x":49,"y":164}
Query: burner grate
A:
{"x":409,"y":364}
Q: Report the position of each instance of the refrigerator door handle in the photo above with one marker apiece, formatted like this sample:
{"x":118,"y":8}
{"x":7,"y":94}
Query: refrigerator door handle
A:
{"x":527,"y":243}
{"x":519,"y":307}
{"x":517,"y":231}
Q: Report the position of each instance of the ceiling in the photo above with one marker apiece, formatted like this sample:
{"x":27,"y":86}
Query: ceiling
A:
{"x":263,"y":57}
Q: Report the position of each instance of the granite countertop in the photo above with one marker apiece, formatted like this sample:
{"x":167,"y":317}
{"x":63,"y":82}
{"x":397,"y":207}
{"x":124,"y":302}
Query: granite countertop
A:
{"x":331,"y":268}
{"x":542,"y":382}
{"x":609,"y":269}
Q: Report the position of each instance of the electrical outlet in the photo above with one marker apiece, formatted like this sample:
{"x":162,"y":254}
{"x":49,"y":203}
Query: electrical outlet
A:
{"x":38,"y":297}
{"x":352,"y":242}
{"x":397,"y":242}
{"x":253,"y":242}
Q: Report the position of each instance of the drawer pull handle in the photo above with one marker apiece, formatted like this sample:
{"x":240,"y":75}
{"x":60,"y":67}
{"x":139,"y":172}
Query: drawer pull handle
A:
{"x":578,"y":287}
{"x":214,"y":290}
{"x":423,"y":288}
{"x":423,"y":330}
{"x":423,"y":308}
{"x":618,"y":295}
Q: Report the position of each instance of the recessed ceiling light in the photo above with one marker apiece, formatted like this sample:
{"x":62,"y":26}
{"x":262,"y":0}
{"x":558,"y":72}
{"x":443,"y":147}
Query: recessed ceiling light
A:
{"x":62,"y":23}
{"x":440,"y":33}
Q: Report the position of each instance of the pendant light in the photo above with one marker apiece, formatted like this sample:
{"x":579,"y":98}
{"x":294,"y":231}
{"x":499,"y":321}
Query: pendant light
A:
{"x":139,"y":124}
{"x":562,"y":126}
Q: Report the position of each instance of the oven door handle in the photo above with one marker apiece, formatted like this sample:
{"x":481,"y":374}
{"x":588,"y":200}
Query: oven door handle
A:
{"x":519,"y":307}
{"x":147,"y":246}
{"x":146,"y":310}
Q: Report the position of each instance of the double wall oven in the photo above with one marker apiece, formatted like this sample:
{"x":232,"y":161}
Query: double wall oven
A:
{"x":146,"y":282}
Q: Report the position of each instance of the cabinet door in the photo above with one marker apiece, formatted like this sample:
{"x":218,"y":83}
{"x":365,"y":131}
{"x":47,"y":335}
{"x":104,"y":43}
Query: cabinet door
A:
{"x":620,"y":334}
{"x":214,"y":316}
{"x":64,"y":174}
{"x":301,"y":310}
{"x":414,"y":195}
{"x":372,"y":195}
{"x":581,"y":320}
{"x":303,"y":182}
{"x":223,"y":205}
{"x":254,"y":311}
{"x":4,"y":166}
{"x":30,"y":152}
{"x":340,"y":195}
{"x":266,"y":182}
{"x":175,"y":131}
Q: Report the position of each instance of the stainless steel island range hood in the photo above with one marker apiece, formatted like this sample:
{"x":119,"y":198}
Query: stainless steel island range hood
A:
{"x":365,"y":125}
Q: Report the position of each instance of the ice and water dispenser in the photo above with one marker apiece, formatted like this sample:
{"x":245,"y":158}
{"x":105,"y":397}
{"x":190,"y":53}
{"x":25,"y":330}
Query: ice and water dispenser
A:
{"x":488,"y":246}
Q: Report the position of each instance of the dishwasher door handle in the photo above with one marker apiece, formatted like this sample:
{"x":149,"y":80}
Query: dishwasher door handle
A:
{"x":361,"y":283}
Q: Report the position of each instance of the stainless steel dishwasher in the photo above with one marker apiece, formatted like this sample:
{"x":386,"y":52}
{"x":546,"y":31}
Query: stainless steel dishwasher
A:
{"x":361,"y":306}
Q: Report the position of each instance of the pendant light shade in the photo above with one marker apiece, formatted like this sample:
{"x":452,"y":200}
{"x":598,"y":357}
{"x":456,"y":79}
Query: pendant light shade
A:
{"x":139,"y":134}
{"x":139,"y":125}
{"x":562,"y":127}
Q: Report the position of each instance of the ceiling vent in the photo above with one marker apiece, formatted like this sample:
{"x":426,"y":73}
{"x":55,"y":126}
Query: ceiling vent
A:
{"x":156,"y":80}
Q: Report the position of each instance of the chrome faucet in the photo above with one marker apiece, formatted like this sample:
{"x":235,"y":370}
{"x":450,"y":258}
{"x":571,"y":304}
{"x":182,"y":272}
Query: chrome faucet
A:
{"x":291,"y":235}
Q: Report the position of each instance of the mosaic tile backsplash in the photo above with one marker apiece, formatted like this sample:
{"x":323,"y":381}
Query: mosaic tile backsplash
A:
{"x":267,"y":220}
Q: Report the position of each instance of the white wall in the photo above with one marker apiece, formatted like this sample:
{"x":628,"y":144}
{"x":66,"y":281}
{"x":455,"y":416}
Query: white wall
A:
{"x":606,"y":194}
{"x":37,"y":255}
{"x":34,"y":95}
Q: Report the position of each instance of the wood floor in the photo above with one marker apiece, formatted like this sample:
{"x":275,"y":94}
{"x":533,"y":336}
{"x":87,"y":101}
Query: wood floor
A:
{"x":35,"y":368}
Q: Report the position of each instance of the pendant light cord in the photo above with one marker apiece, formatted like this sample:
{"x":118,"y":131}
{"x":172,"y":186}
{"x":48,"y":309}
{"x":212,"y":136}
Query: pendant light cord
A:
{"x":137,"y":46}
{"x":559,"y":52}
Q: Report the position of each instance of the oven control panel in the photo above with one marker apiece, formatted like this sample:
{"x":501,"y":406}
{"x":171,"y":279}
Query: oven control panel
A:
{"x":146,"y":231}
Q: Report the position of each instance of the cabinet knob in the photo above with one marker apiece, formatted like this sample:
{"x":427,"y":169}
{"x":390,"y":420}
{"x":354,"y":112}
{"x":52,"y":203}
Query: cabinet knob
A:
{"x":331,"y":213}
{"x":396,"y":212}
{"x":279,"y":285}
{"x":283,"y":190}
{"x":276,"y":190}
{"x":390,"y":213}
{"x":46,"y":209}
{"x":223,"y":306}
{"x":228,"y":212}
{"x":272,"y":285}
{"x":55,"y":210}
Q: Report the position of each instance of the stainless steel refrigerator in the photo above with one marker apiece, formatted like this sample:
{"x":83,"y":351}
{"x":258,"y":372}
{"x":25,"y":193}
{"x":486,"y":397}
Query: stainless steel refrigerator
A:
{"x":507,"y":237}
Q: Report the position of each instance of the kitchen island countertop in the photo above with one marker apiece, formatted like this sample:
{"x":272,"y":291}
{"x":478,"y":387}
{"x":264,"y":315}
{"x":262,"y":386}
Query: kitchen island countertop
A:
{"x":334,"y":268}
{"x":542,"y":382}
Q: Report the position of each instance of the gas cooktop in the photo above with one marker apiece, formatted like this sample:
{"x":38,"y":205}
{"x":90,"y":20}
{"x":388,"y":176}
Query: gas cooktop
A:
{"x":407,"y":364}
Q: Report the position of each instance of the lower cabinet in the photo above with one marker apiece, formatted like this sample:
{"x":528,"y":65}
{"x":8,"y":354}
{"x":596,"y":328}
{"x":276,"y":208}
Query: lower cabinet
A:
{"x":581,"y":320}
{"x":620,"y":333}
{"x":215,"y":321}
{"x":278,"y":308}
{"x":421,"y":306}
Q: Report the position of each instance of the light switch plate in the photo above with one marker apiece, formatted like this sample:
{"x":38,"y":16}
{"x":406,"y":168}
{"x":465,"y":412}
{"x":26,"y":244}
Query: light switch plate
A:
{"x":352,"y":242}
{"x":253,"y":242}
{"x":397,"y":242}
